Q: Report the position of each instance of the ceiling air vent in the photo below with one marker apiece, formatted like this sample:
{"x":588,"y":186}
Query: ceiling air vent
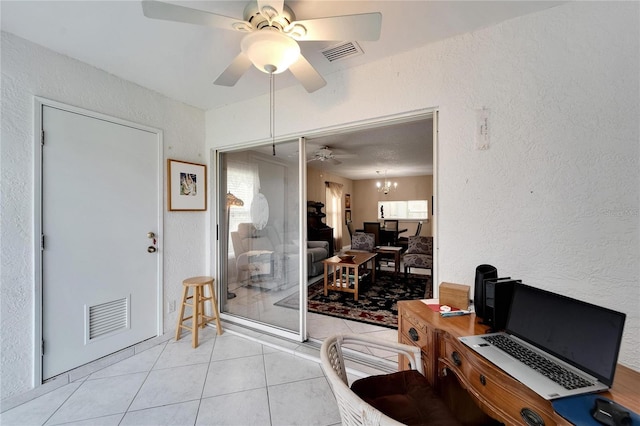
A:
{"x":342,"y":51}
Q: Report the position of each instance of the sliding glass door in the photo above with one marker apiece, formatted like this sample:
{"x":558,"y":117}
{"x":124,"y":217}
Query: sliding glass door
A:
{"x":261,"y":241}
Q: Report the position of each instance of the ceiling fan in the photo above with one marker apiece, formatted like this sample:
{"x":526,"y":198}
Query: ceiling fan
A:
{"x":272,"y":36}
{"x":326,"y":154}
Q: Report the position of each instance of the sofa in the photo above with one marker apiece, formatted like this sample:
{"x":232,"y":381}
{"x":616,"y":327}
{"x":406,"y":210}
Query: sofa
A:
{"x":317,"y":251}
{"x":262,"y":254}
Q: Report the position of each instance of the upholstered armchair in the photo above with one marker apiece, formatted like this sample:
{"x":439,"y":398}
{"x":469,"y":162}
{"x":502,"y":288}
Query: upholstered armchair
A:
{"x":254,"y":251}
{"x":419,"y":254}
{"x":361,"y":241}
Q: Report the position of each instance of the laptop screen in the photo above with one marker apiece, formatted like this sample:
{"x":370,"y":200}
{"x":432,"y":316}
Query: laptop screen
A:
{"x":584,"y":335}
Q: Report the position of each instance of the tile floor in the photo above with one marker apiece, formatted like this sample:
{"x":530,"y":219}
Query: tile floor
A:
{"x":227,"y":380}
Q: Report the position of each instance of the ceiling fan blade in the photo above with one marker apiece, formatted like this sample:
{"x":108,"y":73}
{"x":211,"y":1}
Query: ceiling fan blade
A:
{"x":172,"y":12}
{"x":307,"y":75}
{"x":334,"y":161}
{"x":234,"y":71}
{"x":365,"y":26}
{"x":270,"y":8}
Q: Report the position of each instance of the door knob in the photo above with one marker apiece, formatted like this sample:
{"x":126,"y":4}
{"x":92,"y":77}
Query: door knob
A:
{"x":151,"y":249}
{"x":151,"y":235}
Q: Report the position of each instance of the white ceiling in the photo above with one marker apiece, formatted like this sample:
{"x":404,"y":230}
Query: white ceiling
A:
{"x":181,"y":61}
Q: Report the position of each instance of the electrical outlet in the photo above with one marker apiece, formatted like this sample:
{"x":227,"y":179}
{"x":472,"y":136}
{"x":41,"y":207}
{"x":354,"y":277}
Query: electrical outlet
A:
{"x":171,"y":306}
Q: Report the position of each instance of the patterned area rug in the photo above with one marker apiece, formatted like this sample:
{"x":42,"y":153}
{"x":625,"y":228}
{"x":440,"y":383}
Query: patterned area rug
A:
{"x":376,"y":304}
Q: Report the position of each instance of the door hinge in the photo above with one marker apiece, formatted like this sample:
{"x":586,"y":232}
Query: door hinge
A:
{"x":42,"y":138}
{"x":42,"y":242}
{"x":42,"y":349}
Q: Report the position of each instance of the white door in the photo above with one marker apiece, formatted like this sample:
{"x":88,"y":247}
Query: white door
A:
{"x":100,"y":199}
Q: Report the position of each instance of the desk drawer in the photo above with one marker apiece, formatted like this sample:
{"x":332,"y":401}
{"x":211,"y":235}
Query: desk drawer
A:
{"x":412,"y":331}
{"x":416,"y":334}
{"x":495,"y":391}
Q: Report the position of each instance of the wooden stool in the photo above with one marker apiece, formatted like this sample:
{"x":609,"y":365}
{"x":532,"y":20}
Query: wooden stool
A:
{"x":198,"y":318}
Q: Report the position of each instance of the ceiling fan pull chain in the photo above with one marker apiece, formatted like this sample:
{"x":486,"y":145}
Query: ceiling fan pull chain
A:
{"x":272,"y":112}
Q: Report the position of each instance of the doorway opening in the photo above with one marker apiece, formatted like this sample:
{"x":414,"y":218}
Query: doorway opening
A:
{"x":419,"y":139}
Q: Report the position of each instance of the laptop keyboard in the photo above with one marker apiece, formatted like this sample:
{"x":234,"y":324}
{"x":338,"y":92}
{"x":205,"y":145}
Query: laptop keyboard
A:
{"x":550,"y":369}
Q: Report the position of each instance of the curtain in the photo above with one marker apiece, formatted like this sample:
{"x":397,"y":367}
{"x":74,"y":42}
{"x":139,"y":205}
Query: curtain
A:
{"x":243,"y":183}
{"x":333,"y":210}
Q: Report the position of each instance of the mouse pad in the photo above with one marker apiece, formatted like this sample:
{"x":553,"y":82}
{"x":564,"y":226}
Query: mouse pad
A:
{"x":577,"y":409}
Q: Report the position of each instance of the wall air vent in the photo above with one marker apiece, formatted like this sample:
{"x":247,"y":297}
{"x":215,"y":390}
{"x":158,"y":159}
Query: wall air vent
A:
{"x":342,"y":51}
{"x":106,"y":318}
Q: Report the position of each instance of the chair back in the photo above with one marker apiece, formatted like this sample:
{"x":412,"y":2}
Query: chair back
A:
{"x":391,"y":225}
{"x":354,"y":411}
{"x":419,"y":228}
{"x":373,"y":228}
{"x":420,"y":244}
{"x":363,"y":241}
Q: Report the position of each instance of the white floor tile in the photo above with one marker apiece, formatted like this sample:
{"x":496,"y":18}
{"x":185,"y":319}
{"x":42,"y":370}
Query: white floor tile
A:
{"x":284,"y":368}
{"x":229,"y":346}
{"x":307,"y":402}
{"x":99,"y":398}
{"x":168,"y":415}
{"x":112,"y":420}
{"x":234,"y":375}
{"x":243,"y":408}
{"x":140,"y":363}
{"x":37,"y":411}
{"x":181,"y":353}
{"x":170,"y":386}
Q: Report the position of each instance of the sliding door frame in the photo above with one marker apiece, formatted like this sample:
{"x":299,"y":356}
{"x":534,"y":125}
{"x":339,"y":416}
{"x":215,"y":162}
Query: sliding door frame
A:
{"x":218,"y":197}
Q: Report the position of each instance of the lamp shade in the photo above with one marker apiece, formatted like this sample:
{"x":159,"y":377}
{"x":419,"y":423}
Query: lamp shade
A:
{"x":270,"y":50}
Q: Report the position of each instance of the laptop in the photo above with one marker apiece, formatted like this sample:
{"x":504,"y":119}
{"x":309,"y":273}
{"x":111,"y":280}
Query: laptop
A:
{"x":581,"y":338}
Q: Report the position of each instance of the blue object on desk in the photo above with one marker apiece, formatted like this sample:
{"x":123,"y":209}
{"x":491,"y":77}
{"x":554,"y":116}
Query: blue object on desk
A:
{"x":577,"y":409}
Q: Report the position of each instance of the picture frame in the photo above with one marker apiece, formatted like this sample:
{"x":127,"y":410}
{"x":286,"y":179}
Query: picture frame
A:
{"x":347,"y":201}
{"x":347,"y":215}
{"x":186,"y":186}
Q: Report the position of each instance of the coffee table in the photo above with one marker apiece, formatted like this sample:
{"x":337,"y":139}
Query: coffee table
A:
{"x":342,"y":270}
{"x":391,"y":251}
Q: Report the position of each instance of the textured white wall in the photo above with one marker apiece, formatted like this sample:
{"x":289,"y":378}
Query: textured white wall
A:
{"x":555,"y":200}
{"x":29,"y":70}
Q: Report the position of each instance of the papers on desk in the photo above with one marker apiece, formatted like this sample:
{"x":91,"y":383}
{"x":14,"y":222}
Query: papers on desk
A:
{"x":434,"y":305}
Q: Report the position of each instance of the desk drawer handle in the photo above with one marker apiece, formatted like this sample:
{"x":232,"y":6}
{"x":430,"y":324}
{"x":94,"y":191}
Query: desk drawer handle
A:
{"x":414,"y":334}
{"x":483,"y":380}
{"x":531,"y":418}
{"x":455,"y":356}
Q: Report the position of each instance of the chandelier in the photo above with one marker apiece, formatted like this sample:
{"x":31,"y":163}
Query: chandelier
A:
{"x":386,"y":185}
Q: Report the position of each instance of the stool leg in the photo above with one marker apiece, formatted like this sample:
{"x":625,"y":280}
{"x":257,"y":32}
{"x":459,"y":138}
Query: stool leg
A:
{"x":185,"y":292}
{"x":196,"y":316}
{"x":214,"y":307}
{"x":203,"y":321}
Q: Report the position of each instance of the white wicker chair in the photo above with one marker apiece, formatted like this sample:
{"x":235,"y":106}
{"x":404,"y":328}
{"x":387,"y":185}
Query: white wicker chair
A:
{"x":353,"y":410}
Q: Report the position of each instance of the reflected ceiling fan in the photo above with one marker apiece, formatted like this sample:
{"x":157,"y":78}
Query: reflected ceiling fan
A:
{"x":272,"y":36}
{"x":325,"y":154}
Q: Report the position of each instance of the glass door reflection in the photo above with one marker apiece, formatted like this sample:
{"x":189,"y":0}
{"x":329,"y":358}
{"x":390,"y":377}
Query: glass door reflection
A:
{"x":260,"y":248}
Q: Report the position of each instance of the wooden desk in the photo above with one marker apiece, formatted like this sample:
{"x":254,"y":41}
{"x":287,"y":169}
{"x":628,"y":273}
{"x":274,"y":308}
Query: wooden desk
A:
{"x":341,"y":271}
{"x":459,"y":373}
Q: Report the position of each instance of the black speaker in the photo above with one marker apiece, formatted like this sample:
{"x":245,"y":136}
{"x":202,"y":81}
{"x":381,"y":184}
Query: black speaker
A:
{"x":483,"y":272}
{"x":497,"y":302}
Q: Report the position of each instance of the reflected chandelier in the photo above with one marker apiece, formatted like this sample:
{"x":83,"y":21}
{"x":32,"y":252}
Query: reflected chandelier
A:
{"x":386,"y":185}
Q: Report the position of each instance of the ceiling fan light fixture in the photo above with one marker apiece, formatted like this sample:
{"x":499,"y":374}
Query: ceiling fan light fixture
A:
{"x":270,"y":50}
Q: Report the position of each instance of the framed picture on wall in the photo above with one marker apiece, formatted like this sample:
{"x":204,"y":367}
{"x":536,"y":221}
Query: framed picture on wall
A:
{"x":347,"y":215}
{"x":347,"y":201}
{"x":186,"y":186}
